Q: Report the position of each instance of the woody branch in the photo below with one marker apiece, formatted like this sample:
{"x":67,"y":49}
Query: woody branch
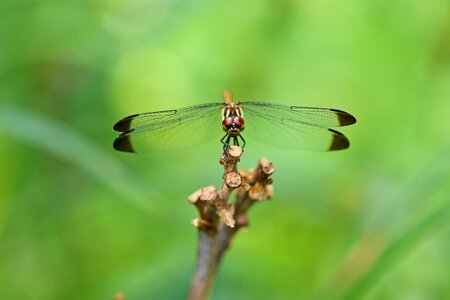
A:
{"x":219,"y":220}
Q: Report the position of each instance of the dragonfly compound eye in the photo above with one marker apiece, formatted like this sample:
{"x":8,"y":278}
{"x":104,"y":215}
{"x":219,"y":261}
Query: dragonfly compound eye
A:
{"x":227,"y":123}
{"x":239,"y":122}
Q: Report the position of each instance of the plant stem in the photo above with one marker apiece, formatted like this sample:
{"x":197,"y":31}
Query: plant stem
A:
{"x":219,"y":220}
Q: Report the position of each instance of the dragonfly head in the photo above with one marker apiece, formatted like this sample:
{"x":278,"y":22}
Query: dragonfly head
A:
{"x":233,"y":125}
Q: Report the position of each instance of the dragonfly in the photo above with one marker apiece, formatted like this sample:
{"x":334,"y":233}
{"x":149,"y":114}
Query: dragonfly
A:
{"x":289,"y":127}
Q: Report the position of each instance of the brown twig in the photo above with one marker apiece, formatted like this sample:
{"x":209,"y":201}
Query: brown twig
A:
{"x":220,"y":220}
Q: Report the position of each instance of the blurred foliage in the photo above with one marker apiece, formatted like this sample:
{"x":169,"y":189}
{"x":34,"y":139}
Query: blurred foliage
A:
{"x":81,"y":221}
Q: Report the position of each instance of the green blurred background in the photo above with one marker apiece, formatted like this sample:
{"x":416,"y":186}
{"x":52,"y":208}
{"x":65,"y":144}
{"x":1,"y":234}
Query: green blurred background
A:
{"x":79,"y":220}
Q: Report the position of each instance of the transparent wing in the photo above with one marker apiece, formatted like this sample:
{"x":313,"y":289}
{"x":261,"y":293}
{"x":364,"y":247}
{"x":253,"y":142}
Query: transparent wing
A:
{"x":325,"y":117}
{"x":170,"y":129}
{"x":295,"y":127}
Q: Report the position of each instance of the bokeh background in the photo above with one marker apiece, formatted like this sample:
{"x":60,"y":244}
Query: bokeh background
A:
{"x":79,"y":220}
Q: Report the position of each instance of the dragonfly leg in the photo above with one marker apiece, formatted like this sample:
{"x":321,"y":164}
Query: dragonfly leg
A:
{"x":225,"y":141}
{"x":235,"y":141}
{"x":242,"y":141}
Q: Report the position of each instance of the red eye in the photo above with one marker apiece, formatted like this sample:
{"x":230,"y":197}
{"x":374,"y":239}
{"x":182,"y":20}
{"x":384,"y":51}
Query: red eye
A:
{"x":238,"y":121}
{"x":227,"y":122}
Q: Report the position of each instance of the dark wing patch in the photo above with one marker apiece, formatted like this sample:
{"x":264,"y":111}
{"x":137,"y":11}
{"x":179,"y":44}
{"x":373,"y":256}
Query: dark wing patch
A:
{"x":339,"y":141}
{"x":122,"y":143}
{"x":344,"y":117}
{"x":124,"y":125}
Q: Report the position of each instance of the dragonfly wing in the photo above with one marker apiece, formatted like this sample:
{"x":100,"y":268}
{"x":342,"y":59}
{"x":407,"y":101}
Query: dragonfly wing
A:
{"x":325,"y":117}
{"x":296,"y":127}
{"x":169,"y":130}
